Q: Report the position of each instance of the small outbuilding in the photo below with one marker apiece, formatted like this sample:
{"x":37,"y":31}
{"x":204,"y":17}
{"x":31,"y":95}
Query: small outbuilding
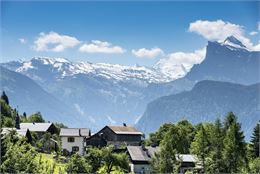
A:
{"x":140,"y":158}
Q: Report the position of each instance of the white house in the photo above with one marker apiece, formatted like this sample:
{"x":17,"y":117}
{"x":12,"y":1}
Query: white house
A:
{"x":73,"y":139}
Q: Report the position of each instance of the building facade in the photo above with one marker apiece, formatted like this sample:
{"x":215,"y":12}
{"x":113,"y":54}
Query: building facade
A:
{"x":115,"y":135}
{"x":73,"y":140}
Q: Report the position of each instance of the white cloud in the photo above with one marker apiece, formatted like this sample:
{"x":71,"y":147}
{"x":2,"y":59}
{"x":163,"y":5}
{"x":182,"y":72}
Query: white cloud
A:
{"x":55,"y":42}
{"x":186,"y":59}
{"x":22,"y":40}
{"x":219,"y":30}
{"x":253,"y":33}
{"x":258,"y":26}
{"x":147,"y":53}
{"x":97,"y":46}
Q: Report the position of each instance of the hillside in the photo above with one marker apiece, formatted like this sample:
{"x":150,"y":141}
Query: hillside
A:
{"x":207,"y":101}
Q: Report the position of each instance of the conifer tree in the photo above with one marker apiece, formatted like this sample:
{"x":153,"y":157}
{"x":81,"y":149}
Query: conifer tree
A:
{"x":200,"y":145}
{"x":17,"y":121}
{"x":255,"y":146}
{"x":5,"y":98}
{"x":234,"y":152}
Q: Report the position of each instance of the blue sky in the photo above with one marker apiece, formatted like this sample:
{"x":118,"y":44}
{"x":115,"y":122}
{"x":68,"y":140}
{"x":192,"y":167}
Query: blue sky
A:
{"x":159,"y":28}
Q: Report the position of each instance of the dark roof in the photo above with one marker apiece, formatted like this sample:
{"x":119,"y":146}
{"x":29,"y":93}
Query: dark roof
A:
{"x":75,"y":132}
{"x":141,"y":154}
{"x":21,"y":132}
{"x":125,"y":130}
{"x":36,"y":127}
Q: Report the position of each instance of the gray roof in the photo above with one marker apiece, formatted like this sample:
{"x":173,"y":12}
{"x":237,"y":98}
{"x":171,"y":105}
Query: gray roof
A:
{"x":125,"y":130}
{"x":75,"y":132}
{"x":21,"y":132}
{"x":187,"y":158}
{"x":138,"y":153}
{"x":36,"y":127}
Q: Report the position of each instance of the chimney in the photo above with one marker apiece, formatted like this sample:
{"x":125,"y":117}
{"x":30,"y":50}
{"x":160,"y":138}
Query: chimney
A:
{"x":124,"y":124}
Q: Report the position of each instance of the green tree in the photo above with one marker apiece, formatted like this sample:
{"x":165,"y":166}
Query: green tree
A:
{"x":17,"y":121}
{"x":185,"y":136}
{"x":5,"y":98}
{"x":234,"y":152}
{"x":254,"y":143}
{"x":157,"y":137}
{"x":94,"y":158}
{"x":200,"y":145}
{"x":165,"y":160}
{"x":229,"y":120}
{"x":254,"y":165}
{"x":36,"y":118}
{"x":19,"y":156}
{"x":77,"y":164}
{"x":215,"y":162}
{"x":111,"y":159}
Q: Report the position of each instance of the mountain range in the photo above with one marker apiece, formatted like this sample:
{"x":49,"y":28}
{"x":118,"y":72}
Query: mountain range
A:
{"x":96,"y":94}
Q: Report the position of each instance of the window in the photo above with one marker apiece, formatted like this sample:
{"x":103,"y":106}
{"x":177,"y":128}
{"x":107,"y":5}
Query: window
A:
{"x":75,"y":148}
{"x":71,"y":139}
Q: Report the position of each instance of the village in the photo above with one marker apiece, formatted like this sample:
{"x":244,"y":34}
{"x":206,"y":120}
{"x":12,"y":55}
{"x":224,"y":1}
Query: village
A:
{"x":122,"y":138}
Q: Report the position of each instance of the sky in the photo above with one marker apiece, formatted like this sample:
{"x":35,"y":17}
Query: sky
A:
{"x":125,"y":33}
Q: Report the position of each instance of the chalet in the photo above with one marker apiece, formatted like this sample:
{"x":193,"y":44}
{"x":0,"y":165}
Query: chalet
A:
{"x":115,"y":135}
{"x":40,"y":128}
{"x":73,"y":139}
{"x":140,"y":159}
{"x":21,"y":132}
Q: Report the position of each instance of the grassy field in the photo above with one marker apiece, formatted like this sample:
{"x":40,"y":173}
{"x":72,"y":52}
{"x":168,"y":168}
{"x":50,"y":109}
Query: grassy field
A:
{"x":50,"y":165}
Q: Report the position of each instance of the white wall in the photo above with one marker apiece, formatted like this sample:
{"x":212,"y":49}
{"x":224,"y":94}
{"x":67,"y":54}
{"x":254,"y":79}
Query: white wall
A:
{"x":79,"y":141}
{"x":140,"y":168}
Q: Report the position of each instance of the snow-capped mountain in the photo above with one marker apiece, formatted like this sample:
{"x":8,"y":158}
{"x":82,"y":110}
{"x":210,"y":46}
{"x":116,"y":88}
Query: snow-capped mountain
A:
{"x":228,"y":61}
{"x":103,"y":93}
{"x":63,"y":68}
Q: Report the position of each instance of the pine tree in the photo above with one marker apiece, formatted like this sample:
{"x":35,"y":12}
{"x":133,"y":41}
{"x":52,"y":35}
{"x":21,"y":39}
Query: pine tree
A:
{"x":24,"y":114}
{"x":5,"y":98}
{"x":234,"y":152}
{"x":165,"y":161}
{"x":229,"y":120}
{"x":255,"y":146}
{"x":200,"y":145}
{"x":17,"y":121}
{"x":216,"y":165}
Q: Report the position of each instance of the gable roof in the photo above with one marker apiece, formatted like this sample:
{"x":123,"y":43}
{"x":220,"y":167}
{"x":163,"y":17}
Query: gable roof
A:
{"x":141,"y":154}
{"x":21,"y":132}
{"x":75,"y":132}
{"x":125,"y":130}
{"x":36,"y":127}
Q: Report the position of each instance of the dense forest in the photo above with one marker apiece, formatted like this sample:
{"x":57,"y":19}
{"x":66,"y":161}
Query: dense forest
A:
{"x":220,"y":146}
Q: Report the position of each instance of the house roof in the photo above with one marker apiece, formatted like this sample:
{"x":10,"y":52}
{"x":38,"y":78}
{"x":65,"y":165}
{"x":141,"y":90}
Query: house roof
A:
{"x":75,"y":132}
{"x":36,"y":127}
{"x":187,"y":158}
{"x":21,"y":132}
{"x":125,"y":130}
{"x":141,"y":154}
